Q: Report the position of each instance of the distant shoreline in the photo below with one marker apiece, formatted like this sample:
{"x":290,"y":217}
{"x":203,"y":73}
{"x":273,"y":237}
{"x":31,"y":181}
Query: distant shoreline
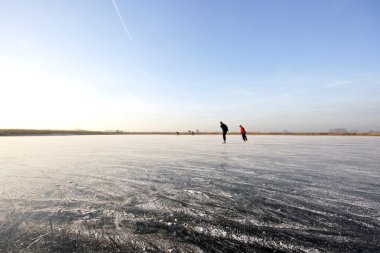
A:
{"x":33,"y":132}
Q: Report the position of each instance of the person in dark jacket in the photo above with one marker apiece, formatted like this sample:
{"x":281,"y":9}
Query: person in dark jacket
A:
{"x":225,"y":130}
{"x":243,"y":133}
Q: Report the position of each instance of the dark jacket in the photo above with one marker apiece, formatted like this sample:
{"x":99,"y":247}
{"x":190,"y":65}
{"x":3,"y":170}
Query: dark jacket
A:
{"x":224,"y":127}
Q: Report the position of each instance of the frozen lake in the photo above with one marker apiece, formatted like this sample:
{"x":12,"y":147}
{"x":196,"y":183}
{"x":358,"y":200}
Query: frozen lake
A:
{"x":189,"y":194}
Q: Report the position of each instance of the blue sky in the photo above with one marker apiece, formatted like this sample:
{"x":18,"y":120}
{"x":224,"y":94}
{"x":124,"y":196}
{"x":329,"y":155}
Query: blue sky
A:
{"x":178,"y":65}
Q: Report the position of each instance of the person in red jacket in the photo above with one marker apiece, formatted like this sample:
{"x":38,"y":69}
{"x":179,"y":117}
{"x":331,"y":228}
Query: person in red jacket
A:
{"x":243,"y":133}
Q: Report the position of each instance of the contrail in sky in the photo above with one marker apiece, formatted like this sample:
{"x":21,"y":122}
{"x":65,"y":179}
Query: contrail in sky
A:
{"x":121,"y":19}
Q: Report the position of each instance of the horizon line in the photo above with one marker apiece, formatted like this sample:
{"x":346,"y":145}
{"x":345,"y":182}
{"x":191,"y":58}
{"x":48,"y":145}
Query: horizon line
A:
{"x":31,"y":132}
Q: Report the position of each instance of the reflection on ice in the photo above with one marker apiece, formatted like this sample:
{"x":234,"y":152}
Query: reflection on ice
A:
{"x":189,"y":194}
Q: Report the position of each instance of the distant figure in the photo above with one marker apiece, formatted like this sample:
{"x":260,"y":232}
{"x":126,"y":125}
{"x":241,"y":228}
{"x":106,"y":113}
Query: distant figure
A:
{"x":243,"y":133}
{"x":177,"y":133}
{"x":225,"y":130}
{"x":192,"y":132}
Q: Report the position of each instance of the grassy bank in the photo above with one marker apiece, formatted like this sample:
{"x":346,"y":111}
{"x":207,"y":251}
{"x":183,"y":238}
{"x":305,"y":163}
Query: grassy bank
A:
{"x":42,"y":132}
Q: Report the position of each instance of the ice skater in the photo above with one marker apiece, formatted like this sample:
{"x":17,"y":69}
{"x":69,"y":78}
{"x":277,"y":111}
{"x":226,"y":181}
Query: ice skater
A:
{"x":225,"y":130}
{"x":243,"y":133}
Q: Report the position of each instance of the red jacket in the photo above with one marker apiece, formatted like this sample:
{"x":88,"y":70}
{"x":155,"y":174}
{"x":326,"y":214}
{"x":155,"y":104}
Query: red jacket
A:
{"x":242,"y":130}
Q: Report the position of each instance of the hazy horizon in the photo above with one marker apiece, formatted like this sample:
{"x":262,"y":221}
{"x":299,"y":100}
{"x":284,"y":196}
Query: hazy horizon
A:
{"x":305,"y":66}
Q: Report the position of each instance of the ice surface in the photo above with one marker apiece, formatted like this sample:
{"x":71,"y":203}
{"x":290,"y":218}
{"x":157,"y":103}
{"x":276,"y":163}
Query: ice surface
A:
{"x":189,"y":194}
